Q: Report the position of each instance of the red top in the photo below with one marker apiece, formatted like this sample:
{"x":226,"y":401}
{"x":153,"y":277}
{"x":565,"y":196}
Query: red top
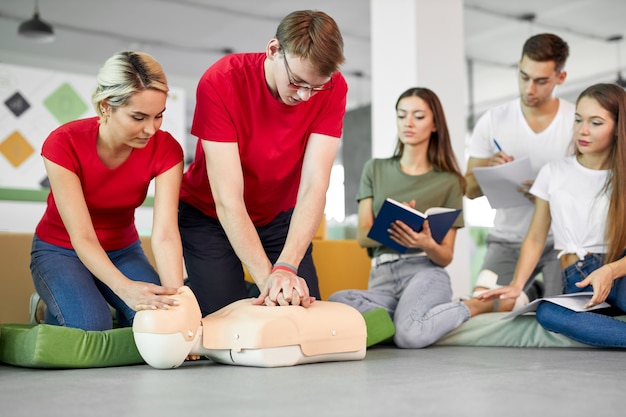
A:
{"x":112,"y":195}
{"x":234,"y":104}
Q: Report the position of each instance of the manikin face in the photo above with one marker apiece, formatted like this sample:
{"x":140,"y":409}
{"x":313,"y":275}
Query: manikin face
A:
{"x":138,"y":120}
{"x":415,"y":121}
{"x":594,"y":128}
{"x":537,"y":81}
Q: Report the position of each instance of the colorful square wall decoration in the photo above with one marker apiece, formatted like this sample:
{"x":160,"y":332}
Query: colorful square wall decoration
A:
{"x":34,"y":102}
{"x":65,"y":104}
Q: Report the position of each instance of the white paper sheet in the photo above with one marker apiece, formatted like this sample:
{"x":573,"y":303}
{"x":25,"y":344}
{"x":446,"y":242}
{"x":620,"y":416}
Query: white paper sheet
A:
{"x":575,"y":302}
{"x":499,"y":183}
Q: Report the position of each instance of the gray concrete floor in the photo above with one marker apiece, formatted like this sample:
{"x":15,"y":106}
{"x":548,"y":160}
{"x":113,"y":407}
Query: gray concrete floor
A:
{"x":438,"y":381}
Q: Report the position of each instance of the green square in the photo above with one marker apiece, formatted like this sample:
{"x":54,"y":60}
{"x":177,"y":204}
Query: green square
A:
{"x":65,"y":104}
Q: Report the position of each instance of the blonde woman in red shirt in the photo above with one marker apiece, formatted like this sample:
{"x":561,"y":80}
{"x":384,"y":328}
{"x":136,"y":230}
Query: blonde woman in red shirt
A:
{"x":86,"y":252}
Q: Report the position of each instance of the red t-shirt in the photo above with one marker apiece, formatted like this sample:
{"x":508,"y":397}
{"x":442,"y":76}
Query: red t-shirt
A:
{"x":112,"y":195}
{"x":234,"y":104}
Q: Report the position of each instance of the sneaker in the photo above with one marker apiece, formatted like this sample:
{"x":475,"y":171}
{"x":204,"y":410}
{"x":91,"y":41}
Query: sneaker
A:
{"x":486,"y":279}
{"x":36,"y":310}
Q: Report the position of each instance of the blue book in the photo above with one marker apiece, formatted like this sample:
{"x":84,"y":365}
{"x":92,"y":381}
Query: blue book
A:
{"x":440,"y":220}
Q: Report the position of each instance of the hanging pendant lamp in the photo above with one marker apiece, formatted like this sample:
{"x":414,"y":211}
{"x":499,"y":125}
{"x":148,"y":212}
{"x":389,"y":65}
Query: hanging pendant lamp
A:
{"x":36,"y":29}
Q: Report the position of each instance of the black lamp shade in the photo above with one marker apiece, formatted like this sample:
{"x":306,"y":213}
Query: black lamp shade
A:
{"x":36,"y":29}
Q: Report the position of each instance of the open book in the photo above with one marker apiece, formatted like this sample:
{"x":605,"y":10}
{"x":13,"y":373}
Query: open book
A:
{"x":575,"y":302}
{"x":499,"y":183}
{"x":440,"y":220}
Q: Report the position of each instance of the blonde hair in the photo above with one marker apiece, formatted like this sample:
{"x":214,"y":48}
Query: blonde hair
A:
{"x":125,"y":74}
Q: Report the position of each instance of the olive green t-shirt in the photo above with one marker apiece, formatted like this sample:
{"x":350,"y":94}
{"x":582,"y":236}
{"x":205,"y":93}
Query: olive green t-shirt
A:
{"x":383,"y":178}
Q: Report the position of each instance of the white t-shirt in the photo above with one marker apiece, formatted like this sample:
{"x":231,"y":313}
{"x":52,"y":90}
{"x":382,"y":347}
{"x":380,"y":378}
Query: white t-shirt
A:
{"x":578,"y":205}
{"x":506,"y":124}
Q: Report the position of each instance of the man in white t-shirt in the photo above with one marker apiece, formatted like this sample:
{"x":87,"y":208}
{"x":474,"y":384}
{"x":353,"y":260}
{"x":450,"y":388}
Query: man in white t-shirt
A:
{"x":538,"y":125}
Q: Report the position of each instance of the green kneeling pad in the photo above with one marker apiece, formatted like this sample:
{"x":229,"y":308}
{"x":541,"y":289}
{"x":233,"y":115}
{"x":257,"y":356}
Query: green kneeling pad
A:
{"x":47,"y":346}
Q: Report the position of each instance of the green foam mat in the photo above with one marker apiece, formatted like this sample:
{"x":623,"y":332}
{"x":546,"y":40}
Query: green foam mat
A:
{"x":380,"y":327}
{"x":47,"y":346}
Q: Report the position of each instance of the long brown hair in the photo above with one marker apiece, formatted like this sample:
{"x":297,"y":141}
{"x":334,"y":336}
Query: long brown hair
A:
{"x":440,"y":152}
{"x":613,"y":99}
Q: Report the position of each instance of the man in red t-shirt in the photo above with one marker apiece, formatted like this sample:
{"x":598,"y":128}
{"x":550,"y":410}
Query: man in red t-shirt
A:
{"x":268,"y":126}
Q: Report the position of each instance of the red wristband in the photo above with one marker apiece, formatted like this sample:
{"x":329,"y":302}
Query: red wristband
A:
{"x":280,"y":266}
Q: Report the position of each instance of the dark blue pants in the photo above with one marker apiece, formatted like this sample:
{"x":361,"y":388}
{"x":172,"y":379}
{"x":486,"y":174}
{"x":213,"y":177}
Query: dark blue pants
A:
{"x":215,"y":273}
{"x":73,"y":296}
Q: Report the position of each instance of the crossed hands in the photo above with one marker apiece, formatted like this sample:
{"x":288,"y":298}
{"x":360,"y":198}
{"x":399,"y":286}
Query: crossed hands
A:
{"x":284,"y":288}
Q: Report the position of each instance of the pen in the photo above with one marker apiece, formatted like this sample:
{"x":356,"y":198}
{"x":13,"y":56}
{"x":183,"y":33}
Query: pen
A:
{"x":497,"y":145}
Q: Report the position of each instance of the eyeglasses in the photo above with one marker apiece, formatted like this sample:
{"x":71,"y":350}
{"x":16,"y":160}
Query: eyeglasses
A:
{"x":296,"y":86}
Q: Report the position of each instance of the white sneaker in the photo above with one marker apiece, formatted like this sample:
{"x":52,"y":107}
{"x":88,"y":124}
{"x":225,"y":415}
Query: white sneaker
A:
{"x":521,"y":301}
{"x":486,"y":279}
{"x":36,"y":309}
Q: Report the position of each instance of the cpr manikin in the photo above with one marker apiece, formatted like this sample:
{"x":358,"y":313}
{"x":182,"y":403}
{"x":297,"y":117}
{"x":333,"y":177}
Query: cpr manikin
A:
{"x":251,"y":335}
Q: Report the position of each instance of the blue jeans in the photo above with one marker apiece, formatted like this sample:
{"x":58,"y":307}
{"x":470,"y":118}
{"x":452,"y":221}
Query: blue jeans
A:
{"x":215,"y":273}
{"x":417,"y":294}
{"x":74,"y":297}
{"x":588,"y":327}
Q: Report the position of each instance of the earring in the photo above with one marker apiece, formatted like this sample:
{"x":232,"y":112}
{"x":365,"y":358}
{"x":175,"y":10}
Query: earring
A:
{"x":105,"y":116}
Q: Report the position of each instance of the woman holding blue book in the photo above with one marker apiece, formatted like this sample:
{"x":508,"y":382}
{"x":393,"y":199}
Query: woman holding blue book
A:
{"x":409,"y":294}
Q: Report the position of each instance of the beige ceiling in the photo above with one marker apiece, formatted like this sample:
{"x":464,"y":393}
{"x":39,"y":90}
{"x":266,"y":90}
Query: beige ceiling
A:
{"x":189,"y":35}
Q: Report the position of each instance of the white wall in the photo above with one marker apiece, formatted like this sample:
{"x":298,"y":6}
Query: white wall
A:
{"x":408,"y":39}
{"x":34,"y":124}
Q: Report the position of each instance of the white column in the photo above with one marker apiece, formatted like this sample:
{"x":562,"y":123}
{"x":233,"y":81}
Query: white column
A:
{"x":420,"y":43}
